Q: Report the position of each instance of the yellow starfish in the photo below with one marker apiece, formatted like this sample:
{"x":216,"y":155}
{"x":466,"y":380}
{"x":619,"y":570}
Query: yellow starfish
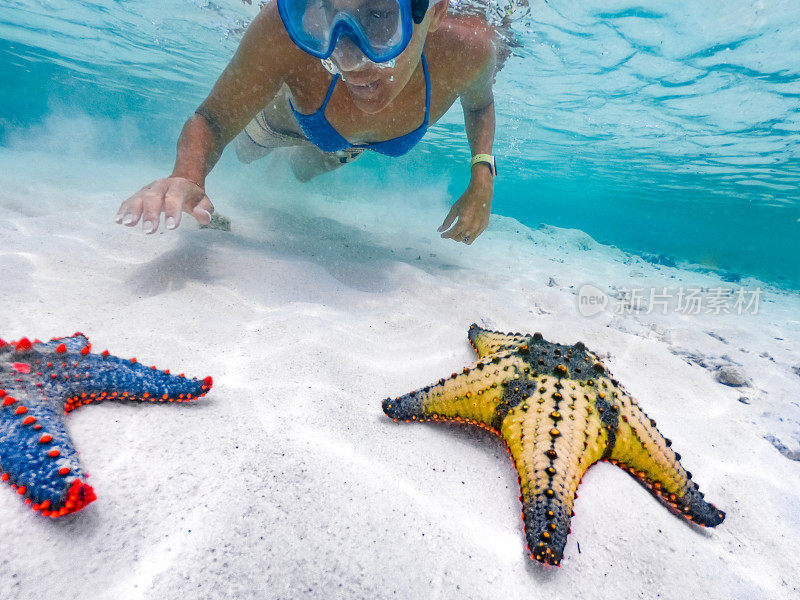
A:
{"x":559,"y":412}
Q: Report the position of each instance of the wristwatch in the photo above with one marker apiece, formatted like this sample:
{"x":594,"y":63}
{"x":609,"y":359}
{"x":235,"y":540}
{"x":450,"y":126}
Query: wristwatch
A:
{"x":485,"y":158}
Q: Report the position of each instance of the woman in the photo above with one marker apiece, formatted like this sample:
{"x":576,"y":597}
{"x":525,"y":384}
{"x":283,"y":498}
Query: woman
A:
{"x":338,"y":77}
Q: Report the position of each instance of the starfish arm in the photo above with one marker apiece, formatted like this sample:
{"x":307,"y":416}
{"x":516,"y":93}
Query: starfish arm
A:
{"x":39,"y":383}
{"x":68,"y":366}
{"x":37,"y":456}
{"x":647,"y":455}
{"x":481,"y":394}
{"x":553,"y":438}
{"x":488,"y":342}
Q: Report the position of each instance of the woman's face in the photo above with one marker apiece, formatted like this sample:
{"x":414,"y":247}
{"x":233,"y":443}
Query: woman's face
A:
{"x":373,"y":86}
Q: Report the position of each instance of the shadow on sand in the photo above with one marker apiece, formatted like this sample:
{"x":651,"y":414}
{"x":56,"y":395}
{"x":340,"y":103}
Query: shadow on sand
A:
{"x":350,"y":255}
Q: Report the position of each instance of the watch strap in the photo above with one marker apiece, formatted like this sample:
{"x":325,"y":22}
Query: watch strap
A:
{"x":485,"y":158}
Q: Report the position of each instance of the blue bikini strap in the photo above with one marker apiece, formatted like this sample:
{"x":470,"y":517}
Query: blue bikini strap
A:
{"x":427,"y":87}
{"x":330,"y":93}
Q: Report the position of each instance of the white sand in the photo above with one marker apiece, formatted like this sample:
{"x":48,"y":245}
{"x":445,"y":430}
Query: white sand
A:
{"x":288,"y":481}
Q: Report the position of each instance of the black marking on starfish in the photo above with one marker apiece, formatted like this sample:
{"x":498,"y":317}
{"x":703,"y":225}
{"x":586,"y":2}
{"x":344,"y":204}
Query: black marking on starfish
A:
{"x":514,"y":395}
{"x":559,"y":412}
{"x":609,"y":415}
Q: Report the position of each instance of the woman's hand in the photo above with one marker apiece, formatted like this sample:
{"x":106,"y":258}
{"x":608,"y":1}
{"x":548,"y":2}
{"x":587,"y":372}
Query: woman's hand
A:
{"x":472,"y":211}
{"x":170,"y":196}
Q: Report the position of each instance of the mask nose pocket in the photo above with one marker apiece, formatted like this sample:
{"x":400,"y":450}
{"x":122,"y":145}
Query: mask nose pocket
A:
{"x":347,"y":56}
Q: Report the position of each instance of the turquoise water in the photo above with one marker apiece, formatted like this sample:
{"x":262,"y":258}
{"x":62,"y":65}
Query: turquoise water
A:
{"x":667,"y":128}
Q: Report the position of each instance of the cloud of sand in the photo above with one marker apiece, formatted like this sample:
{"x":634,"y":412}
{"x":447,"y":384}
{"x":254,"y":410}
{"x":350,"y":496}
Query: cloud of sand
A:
{"x":70,"y":133}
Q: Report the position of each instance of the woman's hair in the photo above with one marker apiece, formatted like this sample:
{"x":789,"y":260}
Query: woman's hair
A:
{"x":420,"y":7}
{"x":418,"y":10}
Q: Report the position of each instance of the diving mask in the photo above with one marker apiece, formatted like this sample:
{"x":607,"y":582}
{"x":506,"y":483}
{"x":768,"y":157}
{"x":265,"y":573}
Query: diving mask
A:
{"x":381,"y":29}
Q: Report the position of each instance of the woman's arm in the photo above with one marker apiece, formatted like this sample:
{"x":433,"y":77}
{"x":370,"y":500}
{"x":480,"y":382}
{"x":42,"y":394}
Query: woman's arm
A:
{"x":479,"y":123}
{"x":473,"y":208}
{"x":249,"y":82}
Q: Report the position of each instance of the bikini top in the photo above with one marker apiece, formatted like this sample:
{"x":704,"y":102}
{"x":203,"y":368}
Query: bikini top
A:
{"x":322,"y":134}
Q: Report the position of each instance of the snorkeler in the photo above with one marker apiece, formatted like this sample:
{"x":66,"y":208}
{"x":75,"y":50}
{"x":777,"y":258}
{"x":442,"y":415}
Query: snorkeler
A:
{"x":338,"y":77}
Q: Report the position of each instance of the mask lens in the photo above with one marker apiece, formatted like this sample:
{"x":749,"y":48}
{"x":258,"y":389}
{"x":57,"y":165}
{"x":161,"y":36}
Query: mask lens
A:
{"x":380,"y":22}
{"x":377,"y":27}
{"x":313,"y":22}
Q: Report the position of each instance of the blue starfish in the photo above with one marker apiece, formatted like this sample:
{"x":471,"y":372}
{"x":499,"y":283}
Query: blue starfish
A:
{"x":42,"y":381}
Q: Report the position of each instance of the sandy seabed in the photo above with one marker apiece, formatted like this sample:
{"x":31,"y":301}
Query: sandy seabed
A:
{"x":287,"y":481}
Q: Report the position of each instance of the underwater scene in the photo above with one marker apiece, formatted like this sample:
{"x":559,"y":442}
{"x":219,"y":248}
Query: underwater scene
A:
{"x":406,"y":270}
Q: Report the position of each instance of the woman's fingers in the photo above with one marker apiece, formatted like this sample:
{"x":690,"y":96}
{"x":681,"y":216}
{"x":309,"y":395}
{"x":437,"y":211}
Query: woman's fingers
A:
{"x":458,"y":233}
{"x":465,"y":223}
{"x":140,"y":204}
{"x":173,"y":207}
{"x":461,"y":231}
{"x":130,"y":211}
{"x":449,"y":219}
{"x":465,"y":231}
{"x":171,"y":196}
{"x":456,"y":228}
{"x":152,"y":207}
{"x":201,"y":211}
{"x":120,"y":216}
{"x":206,"y":205}
{"x":478,"y":231}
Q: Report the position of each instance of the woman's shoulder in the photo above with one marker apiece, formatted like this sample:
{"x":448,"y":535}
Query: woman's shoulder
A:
{"x":269,"y":25}
{"x":468,"y":29}
{"x":266,"y":46}
{"x":463,"y":45}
